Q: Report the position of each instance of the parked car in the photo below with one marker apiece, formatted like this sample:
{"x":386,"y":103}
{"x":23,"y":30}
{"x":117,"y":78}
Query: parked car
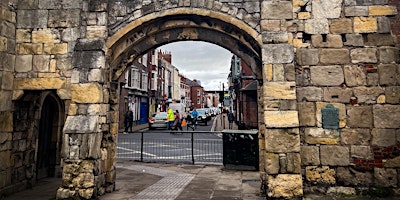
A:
{"x":202,"y":116}
{"x":158,"y":120}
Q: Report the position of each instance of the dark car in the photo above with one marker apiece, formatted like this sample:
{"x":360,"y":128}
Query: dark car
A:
{"x":202,"y":116}
{"x":158,"y":120}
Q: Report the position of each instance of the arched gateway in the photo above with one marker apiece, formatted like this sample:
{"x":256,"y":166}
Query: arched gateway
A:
{"x":329,"y":89}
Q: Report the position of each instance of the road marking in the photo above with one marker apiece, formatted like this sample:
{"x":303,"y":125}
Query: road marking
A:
{"x":131,"y":150}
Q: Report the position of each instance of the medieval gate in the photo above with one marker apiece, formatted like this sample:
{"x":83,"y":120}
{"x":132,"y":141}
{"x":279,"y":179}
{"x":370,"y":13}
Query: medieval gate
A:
{"x":306,"y":54}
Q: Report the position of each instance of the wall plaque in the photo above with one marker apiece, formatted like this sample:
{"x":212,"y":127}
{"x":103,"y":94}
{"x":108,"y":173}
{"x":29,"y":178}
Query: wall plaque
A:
{"x":330,"y":117}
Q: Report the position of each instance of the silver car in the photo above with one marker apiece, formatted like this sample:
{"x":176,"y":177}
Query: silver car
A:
{"x":158,"y":120}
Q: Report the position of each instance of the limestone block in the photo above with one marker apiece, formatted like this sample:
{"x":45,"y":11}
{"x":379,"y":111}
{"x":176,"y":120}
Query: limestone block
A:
{"x":365,"y":25}
{"x":392,"y":94}
{"x":388,"y":74}
{"x":337,"y":94}
{"x":372,"y":79}
{"x":391,"y":163}
{"x":326,"y":9}
{"x":382,"y":10}
{"x":277,"y":53}
{"x":32,"y":19}
{"x":334,"y":56}
{"x":383,"y":137}
{"x":282,"y":140}
{"x":339,"y":190}
{"x":327,"y":75}
{"x":367,"y":95}
{"x":320,"y":175}
{"x":45,"y":36}
{"x":271,"y":163}
{"x":281,"y":119}
{"x":376,"y":39}
{"x":81,"y":124}
{"x":356,"y":11}
{"x":270,"y":25}
{"x":114,"y":129}
{"x":65,"y":193}
{"x":6,"y":160}
{"x":307,"y":114}
{"x":354,"y":75}
{"x":384,"y":112}
{"x":362,"y":152}
{"x":38,"y":83}
{"x":41,"y":63}
{"x":309,"y":155}
{"x":341,"y":26}
{"x":279,"y":90}
{"x":276,"y":10}
{"x":293,"y":163}
{"x":86,"y":193}
{"x":87,"y":93}
{"x":267,"y":72}
{"x":275,"y":37}
{"x":317,"y":26}
{"x":27,"y":48}
{"x":96,"y":75}
{"x":309,"y":94}
{"x":305,"y":56}
{"x":363,"y":55}
{"x":97,"y":109}
{"x":6,"y":80}
{"x":389,"y":55}
{"x":359,"y":117}
{"x":333,"y":155}
{"x":56,"y":48}
{"x":384,"y":25}
{"x":3,"y":43}
{"x":6,"y":121}
{"x":90,"y":147}
{"x":289,"y":72}
{"x":96,"y":32}
{"x":23,"y":63}
{"x":64,"y":18}
{"x":354,"y":177}
{"x":88,"y":59}
{"x":321,"y":136}
{"x":342,"y":113}
{"x":385,"y":177}
{"x":355,"y":40}
{"x":286,"y":186}
{"x":304,"y":15}
{"x":355,"y":136}
{"x":23,"y":35}
{"x":332,"y":41}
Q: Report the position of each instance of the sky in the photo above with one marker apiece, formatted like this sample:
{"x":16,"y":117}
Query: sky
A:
{"x":203,"y":61}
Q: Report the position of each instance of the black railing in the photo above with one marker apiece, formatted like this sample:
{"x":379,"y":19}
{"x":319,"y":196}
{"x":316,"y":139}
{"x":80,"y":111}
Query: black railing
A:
{"x":184,"y":147}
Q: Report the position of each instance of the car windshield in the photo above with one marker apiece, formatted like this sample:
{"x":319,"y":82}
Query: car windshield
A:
{"x":201,"y":112}
{"x":161,"y":115}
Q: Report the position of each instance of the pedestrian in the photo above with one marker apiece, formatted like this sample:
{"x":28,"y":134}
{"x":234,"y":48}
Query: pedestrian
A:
{"x":177,"y":121}
{"x":194,"y":114}
{"x":170,"y":119}
{"x":128,"y":120}
{"x":231,"y":118}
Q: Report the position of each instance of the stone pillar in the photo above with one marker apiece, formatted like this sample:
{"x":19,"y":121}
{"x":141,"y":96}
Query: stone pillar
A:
{"x":281,"y":148}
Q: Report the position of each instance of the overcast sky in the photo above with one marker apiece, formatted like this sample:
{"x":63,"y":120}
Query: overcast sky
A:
{"x":203,"y":61}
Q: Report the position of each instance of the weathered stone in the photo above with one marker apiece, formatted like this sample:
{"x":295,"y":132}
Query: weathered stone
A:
{"x":389,"y":55}
{"x":87,"y":93}
{"x":309,"y":94}
{"x":326,"y":9}
{"x":388,"y":74}
{"x":384,"y":112}
{"x":341,"y":26}
{"x":276,"y":10}
{"x":280,"y":90}
{"x":38,"y":83}
{"x":321,"y":136}
{"x":310,"y":155}
{"x":382,"y":10}
{"x":364,"y":55}
{"x":354,"y":75}
{"x":356,"y":11}
{"x":385,"y":177}
{"x":44,"y":36}
{"x":363,"y":152}
{"x":372,"y":79}
{"x":384,"y":25}
{"x":41,"y":63}
{"x":277,"y":53}
{"x":271,"y":163}
{"x":289,"y":71}
{"x":307,"y":114}
{"x":383,"y":137}
{"x":31,"y":49}
{"x":64,"y":18}
{"x":351,"y":177}
{"x":341,"y":191}
{"x":367,"y":95}
{"x":320,"y":175}
{"x":23,"y":35}
{"x":23,"y":63}
{"x":355,"y":40}
{"x":392,"y":94}
{"x":360,"y":117}
{"x":337,"y":94}
{"x":55,"y":48}
{"x":270,"y":25}
{"x":380,"y":40}
{"x":293,"y":163}
{"x":285,"y":186}
{"x":355,"y":136}
{"x":335,"y":155}
{"x":282,"y":140}
{"x":334,"y":56}
{"x":281,"y":118}
{"x":275,"y":37}
{"x":90,"y":147}
{"x":6,"y":121}
{"x":307,"y":56}
{"x":331,"y":41}
{"x":327,"y":75}
{"x":317,"y":26}
{"x":81,"y":124}
{"x":365,"y":25}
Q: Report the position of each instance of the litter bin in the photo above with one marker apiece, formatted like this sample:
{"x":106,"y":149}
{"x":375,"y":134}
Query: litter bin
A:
{"x":240,"y":149}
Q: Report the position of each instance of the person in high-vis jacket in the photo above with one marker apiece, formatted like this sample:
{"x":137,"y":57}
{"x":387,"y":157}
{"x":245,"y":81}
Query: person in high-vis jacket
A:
{"x":170,"y":118}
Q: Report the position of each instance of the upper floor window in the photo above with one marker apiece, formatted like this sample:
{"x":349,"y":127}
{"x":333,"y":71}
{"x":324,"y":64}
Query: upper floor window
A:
{"x":198,"y":93}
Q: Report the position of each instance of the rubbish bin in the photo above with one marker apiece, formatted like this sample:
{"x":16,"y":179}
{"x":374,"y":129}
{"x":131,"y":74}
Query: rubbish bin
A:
{"x":240,"y":149}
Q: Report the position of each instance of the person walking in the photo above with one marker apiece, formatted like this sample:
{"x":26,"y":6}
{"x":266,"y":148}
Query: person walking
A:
{"x":231,"y":118}
{"x":170,"y":119}
{"x":128,"y":120}
{"x":194,"y":114}
{"x":177,"y":121}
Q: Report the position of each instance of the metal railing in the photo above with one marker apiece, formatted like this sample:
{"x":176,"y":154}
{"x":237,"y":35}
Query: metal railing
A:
{"x":185,"y":147}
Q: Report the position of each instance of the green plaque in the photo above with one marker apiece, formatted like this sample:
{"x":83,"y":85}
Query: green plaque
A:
{"x":330,"y":117}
